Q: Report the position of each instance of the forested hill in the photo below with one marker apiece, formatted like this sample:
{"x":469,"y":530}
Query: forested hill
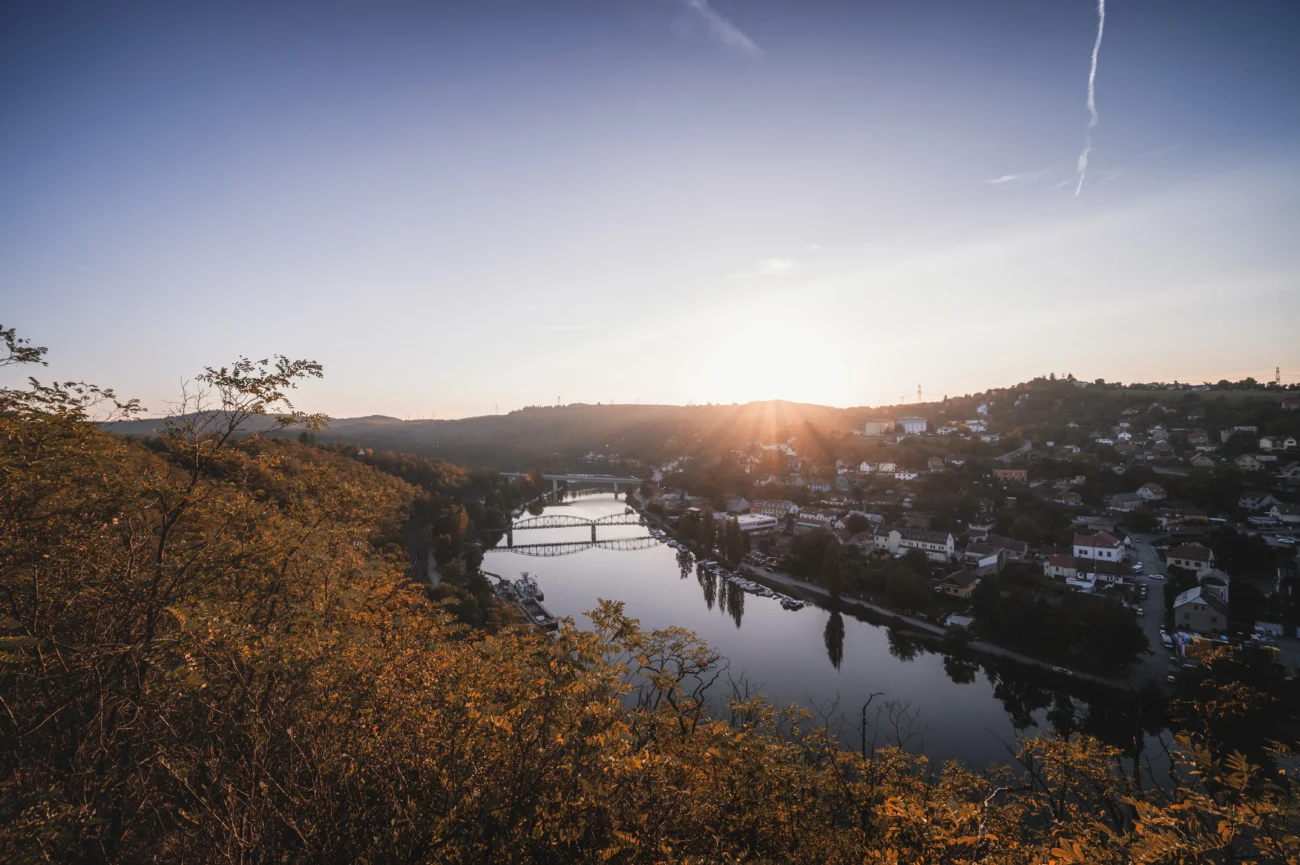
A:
{"x":519,"y":438}
{"x":527,"y":438}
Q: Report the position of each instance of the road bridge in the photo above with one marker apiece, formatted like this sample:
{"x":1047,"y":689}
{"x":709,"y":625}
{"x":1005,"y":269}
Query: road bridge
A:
{"x":613,"y":480}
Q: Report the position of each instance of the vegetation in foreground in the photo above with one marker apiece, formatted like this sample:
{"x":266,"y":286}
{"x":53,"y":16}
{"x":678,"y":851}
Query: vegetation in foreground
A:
{"x":211,"y":651}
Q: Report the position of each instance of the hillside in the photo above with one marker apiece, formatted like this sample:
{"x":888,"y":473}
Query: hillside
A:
{"x":212,"y":651}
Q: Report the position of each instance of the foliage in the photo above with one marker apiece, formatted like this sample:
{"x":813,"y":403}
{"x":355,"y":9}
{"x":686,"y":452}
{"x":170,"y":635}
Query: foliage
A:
{"x":211,"y":651}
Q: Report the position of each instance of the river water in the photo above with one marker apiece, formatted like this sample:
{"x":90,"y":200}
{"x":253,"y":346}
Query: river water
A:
{"x":955,"y":709}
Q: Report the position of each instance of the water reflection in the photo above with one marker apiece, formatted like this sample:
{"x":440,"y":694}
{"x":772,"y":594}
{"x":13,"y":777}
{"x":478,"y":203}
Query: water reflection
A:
{"x":972,"y":703}
{"x":684,"y":562}
{"x":733,"y":600}
{"x":1021,"y":698}
{"x":960,"y":670}
{"x":834,"y":638}
{"x":903,"y":646}
{"x":708,"y":582}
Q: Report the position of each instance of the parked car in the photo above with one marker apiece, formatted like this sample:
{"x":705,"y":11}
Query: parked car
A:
{"x":1155,"y":576}
{"x":1171,"y":678}
{"x":1138,"y":567}
{"x":1062,"y":671}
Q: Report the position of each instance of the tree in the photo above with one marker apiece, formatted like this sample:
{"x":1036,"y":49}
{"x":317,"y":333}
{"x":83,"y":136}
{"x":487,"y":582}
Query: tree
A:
{"x":212,"y":648}
{"x":1141,"y":521}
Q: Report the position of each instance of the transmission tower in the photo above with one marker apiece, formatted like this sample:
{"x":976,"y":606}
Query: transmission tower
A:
{"x":918,"y":394}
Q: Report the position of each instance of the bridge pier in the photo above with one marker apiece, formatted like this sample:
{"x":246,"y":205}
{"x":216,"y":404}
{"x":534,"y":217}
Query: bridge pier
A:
{"x":593,"y":532}
{"x":555,"y":485}
{"x":510,"y":537}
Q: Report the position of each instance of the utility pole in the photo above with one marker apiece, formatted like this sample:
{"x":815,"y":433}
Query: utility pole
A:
{"x":918,"y":394}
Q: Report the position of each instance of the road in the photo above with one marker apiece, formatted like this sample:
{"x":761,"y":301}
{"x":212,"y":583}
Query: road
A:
{"x":791,"y":583}
{"x":1154,"y":666}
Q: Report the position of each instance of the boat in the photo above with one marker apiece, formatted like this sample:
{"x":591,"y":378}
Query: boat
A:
{"x":527,"y":595}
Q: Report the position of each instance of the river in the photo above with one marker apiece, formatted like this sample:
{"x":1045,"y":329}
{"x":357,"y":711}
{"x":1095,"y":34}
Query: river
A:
{"x":955,"y":709}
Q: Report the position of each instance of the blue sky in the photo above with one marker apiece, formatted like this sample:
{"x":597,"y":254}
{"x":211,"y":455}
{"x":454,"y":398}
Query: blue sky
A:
{"x":461,"y":206}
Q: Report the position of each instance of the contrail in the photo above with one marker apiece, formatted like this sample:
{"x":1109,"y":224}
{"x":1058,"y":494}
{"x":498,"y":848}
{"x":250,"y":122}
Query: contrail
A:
{"x":1092,"y":96}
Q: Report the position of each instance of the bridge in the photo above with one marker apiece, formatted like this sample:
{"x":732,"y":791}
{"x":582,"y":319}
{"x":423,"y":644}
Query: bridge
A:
{"x":580,"y":479}
{"x":568,"y":521}
{"x":568,"y":548}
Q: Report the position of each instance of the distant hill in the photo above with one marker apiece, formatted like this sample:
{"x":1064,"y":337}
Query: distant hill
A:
{"x":520,"y":437}
{"x":526,"y":438}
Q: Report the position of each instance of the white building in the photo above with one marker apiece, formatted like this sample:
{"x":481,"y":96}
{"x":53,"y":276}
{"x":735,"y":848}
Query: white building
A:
{"x":1102,"y":546}
{"x":756,"y":525}
{"x":913,"y":426}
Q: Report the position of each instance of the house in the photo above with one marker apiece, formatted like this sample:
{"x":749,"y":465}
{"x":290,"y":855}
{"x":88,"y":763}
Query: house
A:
{"x":1203,"y":461}
{"x":1126,"y":502}
{"x":1200,"y":611}
{"x":1061,"y":566}
{"x":960,"y":584}
{"x":913,"y":426}
{"x":1012,"y":476}
{"x":1290,"y":472}
{"x":779,"y":508}
{"x":823,"y":517}
{"x":1291,"y":403}
{"x":1286,"y":514}
{"x":737,"y":505}
{"x":1013,"y":550}
{"x":1071,"y":449}
{"x":935,"y":464}
{"x":905,"y":475}
{"x":1277,"y":443}
{"x":984,"y":558}
{"x":1068,"y":496}
{"x":1248,"y":463}
{"x":1193,"y":557}
{"x":819,"y":486}
{"x":1255,"y":501}
{"x":1152,"y":492}
{"x":887,"y":468}
{"x":1101,"y":546}
{"x":938,"y":546}
{"x":1092,"y":571}
{"x":1215,"y":582}
{"x":864,"y":467}
{"x":1198,"y":437}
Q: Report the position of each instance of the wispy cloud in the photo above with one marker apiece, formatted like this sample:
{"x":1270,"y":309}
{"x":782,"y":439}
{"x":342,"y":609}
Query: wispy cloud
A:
{"x":1026,"y":177}
{"x":768,"y":267}
{"x":69,"y":263}
{"x":1092,"y":96}
{"x":726,"y":32}
{"x":1158,"y":152}
{"x":1063,"y":184}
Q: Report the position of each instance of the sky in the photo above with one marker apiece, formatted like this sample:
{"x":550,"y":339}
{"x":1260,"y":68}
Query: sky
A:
{"x":462,"y":208}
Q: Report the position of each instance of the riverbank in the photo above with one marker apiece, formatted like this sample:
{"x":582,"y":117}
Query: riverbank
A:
{"x":791,"y":583}
{"x":812,"y":591}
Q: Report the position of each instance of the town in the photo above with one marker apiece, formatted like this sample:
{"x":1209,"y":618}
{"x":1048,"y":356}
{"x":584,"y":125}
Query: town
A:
{"x":1103,"y":529}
